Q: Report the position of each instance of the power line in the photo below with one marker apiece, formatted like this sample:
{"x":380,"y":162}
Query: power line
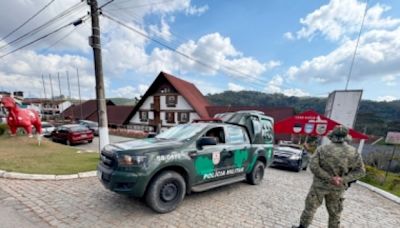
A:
{"x":45,"y":25}
{"x":42,"y":37}
{"x":27,"y":21}
{"x":358,"y":41}
{"x":253,"y":78}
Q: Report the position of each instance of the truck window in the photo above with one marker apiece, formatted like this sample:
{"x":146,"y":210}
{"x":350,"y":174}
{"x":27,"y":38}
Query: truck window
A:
{"x":267,"y":131}
{"x":217,"y":133}
{"x":236,"y":135}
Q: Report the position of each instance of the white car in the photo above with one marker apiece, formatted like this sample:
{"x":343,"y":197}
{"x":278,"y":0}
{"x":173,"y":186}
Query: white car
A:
{"x":47,"y":128}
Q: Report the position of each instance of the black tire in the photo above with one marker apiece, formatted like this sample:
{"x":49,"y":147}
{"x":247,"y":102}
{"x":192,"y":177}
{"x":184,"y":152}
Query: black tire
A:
{"x":299,"y":166}
{"x":90,"y":141}
{"x":165,"y":192}
{"x":68,"y":143}
{"x":305,"y":168}
{"x":257,"y":174}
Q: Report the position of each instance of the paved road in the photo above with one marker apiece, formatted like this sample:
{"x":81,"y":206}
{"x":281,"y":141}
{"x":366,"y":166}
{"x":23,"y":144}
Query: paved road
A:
{"x":277,"y":202}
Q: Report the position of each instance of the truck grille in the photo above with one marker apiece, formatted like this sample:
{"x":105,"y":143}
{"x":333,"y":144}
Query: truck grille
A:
{"x":108,"y":159}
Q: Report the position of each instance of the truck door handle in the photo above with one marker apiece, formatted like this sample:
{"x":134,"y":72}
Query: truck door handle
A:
{"x":192,"y":154}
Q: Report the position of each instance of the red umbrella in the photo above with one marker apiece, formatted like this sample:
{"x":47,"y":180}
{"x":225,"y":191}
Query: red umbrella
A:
{"x":311,"y":123}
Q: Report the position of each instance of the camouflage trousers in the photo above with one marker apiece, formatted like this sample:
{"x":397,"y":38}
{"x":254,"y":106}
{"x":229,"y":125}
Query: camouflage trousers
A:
{"x":333,"y":202}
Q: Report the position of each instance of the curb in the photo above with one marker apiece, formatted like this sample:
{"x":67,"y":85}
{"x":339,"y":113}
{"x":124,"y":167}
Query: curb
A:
{"x":381,"y":192}
{"x":24,"y":176}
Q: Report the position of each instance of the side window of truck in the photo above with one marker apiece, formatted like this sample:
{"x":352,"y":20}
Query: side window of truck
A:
{"x":267,"y":130}
{"x":236,"y":135}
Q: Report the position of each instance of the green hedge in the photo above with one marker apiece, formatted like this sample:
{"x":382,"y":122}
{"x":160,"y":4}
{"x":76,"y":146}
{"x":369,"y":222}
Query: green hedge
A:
{"x":3,"y":129}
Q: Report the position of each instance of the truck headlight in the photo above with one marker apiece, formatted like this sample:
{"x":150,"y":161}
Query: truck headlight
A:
{"x":295,"y":157}
{"x":132,"y":160}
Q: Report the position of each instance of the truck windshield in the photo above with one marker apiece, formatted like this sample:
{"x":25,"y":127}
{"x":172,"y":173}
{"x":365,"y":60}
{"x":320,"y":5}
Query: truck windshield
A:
{"x":181,"y":132}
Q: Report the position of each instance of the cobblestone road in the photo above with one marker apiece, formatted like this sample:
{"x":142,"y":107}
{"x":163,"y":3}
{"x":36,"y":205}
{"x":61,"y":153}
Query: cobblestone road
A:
{"x":277,"y":202}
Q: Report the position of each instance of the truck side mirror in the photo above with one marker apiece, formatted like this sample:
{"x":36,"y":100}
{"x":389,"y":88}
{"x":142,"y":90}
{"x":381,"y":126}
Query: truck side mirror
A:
{"x":205,"y":141}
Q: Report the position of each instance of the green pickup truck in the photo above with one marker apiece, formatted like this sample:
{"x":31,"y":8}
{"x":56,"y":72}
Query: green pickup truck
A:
{"x":188,"y":158}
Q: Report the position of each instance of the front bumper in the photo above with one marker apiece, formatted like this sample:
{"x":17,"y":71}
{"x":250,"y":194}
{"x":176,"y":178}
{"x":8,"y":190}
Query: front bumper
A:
{"x":285,"y":162}
{"x":123,"y":182}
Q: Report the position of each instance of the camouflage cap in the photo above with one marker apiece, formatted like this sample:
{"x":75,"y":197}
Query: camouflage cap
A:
{"x":338,"y":134}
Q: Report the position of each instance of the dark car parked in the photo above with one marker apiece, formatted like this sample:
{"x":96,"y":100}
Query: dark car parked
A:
{"x":291,"y":156}
{"x":93,"y":126}
{"x":72,"y":134}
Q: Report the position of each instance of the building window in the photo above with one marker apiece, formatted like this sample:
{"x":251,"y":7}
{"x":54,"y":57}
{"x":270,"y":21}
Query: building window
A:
{"x":144,"y":116}
{"x":171,"y":100}
{"x":183,"y":117}
{"x":170,"y":117}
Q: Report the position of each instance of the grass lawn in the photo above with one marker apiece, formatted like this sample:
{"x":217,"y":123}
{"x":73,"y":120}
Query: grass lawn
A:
{"x":23,"y":154}
{"x":375,"y":177}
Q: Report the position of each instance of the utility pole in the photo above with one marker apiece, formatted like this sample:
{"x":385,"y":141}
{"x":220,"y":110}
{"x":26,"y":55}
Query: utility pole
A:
{"x":52,"y":97}
{"x":98,"y":69}
{"x":79,"y":91}
{"x":69,"y":86}
{"x":59,"y":83}
{"x":44,"y":88}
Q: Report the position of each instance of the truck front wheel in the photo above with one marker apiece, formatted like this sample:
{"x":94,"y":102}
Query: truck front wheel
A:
{"x":166,"y":192}
{"x":257,"y":174}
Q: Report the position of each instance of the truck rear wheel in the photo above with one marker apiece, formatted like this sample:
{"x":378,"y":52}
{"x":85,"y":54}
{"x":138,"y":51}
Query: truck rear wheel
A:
{"x":257,"y":174}
{"x":166,"y":192}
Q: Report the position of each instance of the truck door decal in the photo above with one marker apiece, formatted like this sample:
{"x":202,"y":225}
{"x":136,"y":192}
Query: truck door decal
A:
{"x":240,"y":156}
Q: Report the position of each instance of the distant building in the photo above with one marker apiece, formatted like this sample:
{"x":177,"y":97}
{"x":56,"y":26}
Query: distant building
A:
{"x":168,"y":101}
{"x":82,"y":111}
{"x":46,"y":107}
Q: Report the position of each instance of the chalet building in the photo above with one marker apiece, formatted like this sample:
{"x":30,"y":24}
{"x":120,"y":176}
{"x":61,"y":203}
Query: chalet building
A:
{"x":169,"y":101}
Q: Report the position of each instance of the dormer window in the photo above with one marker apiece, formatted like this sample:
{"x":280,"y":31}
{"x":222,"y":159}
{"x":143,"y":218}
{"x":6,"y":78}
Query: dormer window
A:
{"x":144,"y":116}
{"x":171,"y":100}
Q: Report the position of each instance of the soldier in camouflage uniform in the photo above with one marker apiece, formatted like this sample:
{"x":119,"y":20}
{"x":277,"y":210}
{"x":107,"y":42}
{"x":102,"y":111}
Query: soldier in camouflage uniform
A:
{"x":334,"y":166}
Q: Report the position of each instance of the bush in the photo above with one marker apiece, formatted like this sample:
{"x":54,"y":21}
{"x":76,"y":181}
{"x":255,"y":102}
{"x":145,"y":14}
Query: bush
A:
{"x":3,"y":129}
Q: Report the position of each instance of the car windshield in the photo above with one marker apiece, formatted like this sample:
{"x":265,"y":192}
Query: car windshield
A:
{"x":181,"y":132}
{"x":78,"y":128}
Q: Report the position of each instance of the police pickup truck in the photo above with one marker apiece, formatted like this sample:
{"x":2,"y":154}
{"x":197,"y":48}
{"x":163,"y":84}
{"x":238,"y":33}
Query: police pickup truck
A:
{"x":191,"y":157}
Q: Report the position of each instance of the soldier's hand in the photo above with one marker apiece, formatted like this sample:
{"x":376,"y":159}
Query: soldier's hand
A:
{"x":337,"y":181}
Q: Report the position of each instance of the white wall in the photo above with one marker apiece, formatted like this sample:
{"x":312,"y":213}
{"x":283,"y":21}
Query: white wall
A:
{"x":64,"y":105}
{"x":181,"y":105}
{"x":147,"y":102}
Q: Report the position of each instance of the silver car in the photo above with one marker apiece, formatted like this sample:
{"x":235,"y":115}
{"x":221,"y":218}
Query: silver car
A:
{"x":47,"y":128}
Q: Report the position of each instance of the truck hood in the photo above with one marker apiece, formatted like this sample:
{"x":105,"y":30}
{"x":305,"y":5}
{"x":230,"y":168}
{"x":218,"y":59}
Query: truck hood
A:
{"x":144,"y":145}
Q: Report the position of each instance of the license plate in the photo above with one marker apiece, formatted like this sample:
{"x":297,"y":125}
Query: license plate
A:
{"x":99,"y":174}
{"x":278,"y":160}
{"x":83,"y":135}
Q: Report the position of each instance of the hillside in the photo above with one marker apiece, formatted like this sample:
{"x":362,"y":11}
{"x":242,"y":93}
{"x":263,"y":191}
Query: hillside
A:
{"x":376,"y":117}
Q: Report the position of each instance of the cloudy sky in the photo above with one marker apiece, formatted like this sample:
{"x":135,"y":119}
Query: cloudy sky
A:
{"x":298,"y":48}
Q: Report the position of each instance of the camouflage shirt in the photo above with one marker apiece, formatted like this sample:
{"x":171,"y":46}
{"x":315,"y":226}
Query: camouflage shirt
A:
{"x":336,"y":159}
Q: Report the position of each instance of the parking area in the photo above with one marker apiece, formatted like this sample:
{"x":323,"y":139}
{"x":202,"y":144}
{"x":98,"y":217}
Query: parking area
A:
{"x":94,"y":146}
{"x":277,"y":202}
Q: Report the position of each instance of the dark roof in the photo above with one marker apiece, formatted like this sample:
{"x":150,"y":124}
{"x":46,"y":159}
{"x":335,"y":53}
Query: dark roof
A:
{"x":278,"y":113}
{"x":116,"y":115}
{"x":189,"y":91}
{"x":88,"y":108}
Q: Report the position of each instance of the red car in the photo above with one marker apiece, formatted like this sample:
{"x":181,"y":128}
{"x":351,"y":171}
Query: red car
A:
{"x":72,"y":134}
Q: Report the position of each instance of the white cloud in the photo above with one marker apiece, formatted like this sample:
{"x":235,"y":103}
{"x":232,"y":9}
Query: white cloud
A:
{"x":386,"y":98}
{"x":377,"y":56}
{"x":389,"y":80}
{"x":275,"y":86}
{"x":194,"y":10}
{"x":235,"y":87}
{"x":123,"y":50}
{"x":162,"y":31}
{"x":214,"y":53}
{"x":288,"y":36}
{"x":129,"y":91}
{"x":340,"y":18}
